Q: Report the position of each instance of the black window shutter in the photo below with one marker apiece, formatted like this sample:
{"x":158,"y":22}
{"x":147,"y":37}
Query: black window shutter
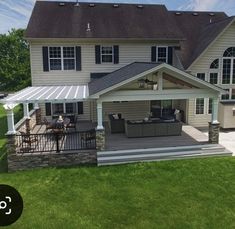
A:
{"x":78,"y":58}
{"x":153,"y":53}
{"x":116,"y":54}
{"x":97,"y":54}
{"x":45,"y":59}
{"x":48,"y":109}
{"x":80,"y":107}
{"x":170,"y":55}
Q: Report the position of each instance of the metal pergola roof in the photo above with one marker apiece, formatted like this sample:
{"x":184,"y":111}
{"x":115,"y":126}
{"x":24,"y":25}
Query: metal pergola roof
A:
{"x":48,"y":94}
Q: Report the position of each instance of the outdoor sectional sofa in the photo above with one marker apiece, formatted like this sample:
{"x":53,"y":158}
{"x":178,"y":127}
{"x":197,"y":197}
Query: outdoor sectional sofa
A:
{"x":153,"y":128}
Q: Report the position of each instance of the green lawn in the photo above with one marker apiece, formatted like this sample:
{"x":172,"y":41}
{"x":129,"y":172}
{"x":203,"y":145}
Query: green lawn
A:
{"x":3,"y":129}
{"x":198,"y":193}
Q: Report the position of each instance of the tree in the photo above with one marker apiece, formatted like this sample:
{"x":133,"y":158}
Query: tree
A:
{"x":14,"y":61}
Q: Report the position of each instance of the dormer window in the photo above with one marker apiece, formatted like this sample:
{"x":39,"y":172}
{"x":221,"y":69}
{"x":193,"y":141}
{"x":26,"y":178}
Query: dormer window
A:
{"x":107,"y":54}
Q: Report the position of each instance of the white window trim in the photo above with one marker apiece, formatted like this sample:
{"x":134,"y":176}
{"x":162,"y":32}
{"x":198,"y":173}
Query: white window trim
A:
{"x":201,"y":73}
{"x":107,"y":46}
{"x":62,"y":58}
{"x":231,"y":70}
{"x":213,"y":71}
{"x":166,"y":47}
{"x":195,"y":107}
{"x":64,"y":108}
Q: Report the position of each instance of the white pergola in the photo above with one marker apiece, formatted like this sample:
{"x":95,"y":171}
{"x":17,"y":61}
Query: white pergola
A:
{"x":42,"y":94}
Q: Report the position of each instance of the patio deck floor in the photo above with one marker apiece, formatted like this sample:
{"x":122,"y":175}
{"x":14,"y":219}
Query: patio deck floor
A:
{"x":190,"y":136}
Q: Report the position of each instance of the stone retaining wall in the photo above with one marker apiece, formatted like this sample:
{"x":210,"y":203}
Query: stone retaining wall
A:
{"x":31,"y":161}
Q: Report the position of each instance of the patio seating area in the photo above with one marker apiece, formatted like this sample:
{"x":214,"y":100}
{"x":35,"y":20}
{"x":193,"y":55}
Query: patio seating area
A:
{"x":189,"y":136}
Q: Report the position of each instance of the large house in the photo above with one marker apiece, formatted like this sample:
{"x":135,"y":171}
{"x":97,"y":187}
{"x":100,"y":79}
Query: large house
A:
{"x":102,"y":61}
{"x":77,"y":44}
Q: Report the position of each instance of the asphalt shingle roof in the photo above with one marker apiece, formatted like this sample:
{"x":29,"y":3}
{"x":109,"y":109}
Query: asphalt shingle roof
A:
{"x":119,"y":76}
{"x":50,"y":20}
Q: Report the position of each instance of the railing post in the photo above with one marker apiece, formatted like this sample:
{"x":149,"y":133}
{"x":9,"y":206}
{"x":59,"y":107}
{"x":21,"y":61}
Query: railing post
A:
{"x":57,"y":142}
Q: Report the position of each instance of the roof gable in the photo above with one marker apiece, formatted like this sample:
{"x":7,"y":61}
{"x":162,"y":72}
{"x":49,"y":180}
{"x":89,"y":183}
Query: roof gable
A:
{"x":137,"y":70}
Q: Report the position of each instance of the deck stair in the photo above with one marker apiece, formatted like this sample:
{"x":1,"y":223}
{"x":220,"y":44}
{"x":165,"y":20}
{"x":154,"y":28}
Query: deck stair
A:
{"x":157,"y":154}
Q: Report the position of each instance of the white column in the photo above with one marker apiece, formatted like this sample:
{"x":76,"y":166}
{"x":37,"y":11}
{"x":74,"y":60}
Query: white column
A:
{"x":26,"y":110}
{"x":35,"y":106}
{"x":99,"y":116}
{"x":159,"y":81}
{"x":215,"y":107}
{"x":10,"y":122}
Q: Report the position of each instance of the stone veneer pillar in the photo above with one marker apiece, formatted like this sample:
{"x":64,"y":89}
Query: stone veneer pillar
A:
{"x":11,"y":144}
{"x":38,"y":116}
{"x":27,"y":125}
{"x":214,"y":129}
{"x":100,"y":139}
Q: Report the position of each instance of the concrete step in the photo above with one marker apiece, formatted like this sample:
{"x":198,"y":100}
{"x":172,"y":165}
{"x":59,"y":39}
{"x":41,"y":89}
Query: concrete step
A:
{"x":159,"y":150}
{"x":170,"y":153}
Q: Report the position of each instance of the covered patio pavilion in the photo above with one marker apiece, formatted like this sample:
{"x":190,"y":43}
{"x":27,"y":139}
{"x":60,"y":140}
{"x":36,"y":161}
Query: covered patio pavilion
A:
{"x":119,"y":86}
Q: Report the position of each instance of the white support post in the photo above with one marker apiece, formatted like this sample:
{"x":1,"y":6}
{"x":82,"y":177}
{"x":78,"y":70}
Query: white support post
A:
{"x":35,"y":106}
{"x":215,"y":107}
{"x":10,"y":122}
{"x":159,"y":81}
{"x":26,"y":110}
{"x":99,"y":116}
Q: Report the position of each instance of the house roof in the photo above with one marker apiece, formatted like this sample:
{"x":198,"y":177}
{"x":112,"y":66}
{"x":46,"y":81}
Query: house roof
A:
{"x":199,"y":30}
{"x":127,"y":73}
{"x":194,"y":30}
{"x":50,"y":20}
{"x":48,"y":94}
{"x":119,"y":76}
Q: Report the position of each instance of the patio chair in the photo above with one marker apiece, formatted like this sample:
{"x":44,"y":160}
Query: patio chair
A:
{"x":117,"y":123}
{"x":49,"y":125}
{"x":72,"y":123}
{"x":28,"y":139}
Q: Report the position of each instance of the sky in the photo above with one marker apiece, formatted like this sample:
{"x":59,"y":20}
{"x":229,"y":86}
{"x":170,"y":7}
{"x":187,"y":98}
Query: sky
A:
{"x":16,"y":13}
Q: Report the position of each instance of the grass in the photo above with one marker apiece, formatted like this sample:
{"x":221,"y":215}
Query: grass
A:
{"x":3,"y":129}
{"x":196,"y":193}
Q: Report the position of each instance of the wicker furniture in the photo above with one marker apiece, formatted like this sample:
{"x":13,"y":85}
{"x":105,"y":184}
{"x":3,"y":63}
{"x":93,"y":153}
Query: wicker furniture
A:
{"x":117,"y":125}
{"x":153,"y":128}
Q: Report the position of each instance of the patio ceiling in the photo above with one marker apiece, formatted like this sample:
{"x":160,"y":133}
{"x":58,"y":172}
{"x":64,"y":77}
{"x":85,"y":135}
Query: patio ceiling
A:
{"x":48,"y":94}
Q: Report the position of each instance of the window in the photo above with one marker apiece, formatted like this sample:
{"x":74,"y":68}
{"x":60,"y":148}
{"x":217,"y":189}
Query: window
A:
{"x":55,"y":58}
{"x":230,"y":52}
{"x":210,"y":106}
{"x":58,"y":108}
{"x":201,"y":76}
{"x":62,"y":58}
{"x":229,"y":66}
{"x":70,"y":108}
{"x":69,"y":58}
{"x":107,"y":54}
{"x":226,"y":71}
{"x":225,"y":96}
{"x":200,"y":106}
{"x":215,"y":64}
{"x":213,"y":78}
{"x":162,"y":54}
{"x":233,"y":94}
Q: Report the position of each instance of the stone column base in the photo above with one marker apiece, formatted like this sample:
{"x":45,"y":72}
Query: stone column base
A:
{"x":213,"y":134}
{"x":28,"y":125}
{"x":38,"y":117}
{"x":100,"y":140}
{"x":11,"y":144}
